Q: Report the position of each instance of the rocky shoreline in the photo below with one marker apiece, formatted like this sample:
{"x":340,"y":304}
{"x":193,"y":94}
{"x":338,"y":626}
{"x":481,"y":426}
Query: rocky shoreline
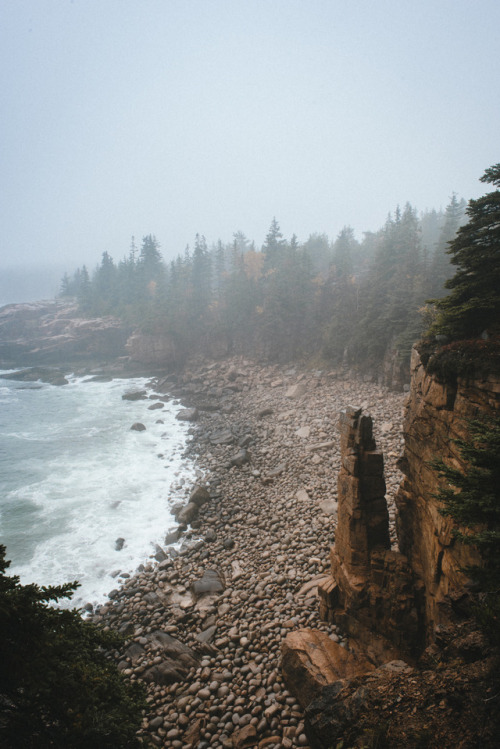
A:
{"x":205,"y":625}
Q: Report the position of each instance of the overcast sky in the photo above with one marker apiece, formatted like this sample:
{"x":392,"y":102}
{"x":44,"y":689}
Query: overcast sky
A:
{"x":171,"y":117}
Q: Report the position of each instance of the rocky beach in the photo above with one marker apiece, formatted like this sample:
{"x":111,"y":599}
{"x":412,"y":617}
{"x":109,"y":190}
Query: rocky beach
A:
{"x":205,"y":623}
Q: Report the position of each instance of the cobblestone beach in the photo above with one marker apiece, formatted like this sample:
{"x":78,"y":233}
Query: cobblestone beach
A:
{"x":205,"y":620}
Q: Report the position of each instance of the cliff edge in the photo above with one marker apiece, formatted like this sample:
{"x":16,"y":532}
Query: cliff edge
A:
{"x":406,"y":609}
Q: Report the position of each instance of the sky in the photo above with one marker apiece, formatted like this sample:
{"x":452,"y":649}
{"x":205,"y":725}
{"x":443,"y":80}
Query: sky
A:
{"x":124,"y":118}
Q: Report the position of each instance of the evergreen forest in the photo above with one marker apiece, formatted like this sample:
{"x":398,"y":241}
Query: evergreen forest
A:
{"x":342,"y":301}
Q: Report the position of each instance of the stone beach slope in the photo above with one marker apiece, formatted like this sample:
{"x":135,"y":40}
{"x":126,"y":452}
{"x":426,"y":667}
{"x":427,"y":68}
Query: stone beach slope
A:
{"x":205,"y":624}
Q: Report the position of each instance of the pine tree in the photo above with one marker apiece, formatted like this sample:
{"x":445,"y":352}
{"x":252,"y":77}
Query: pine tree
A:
{"x":441,"y":267}
{"x":150,"y":261}
{"x":343,"y":249}
{"x":104,"y":286}
{"x":57,"y":687}
{"x":201,"y":279}
{"x":473,"y":306}
{"x":84,"y":293}
{"x":273,"y":245}
{"x":65,"y":289}
{"x":319,"y":250}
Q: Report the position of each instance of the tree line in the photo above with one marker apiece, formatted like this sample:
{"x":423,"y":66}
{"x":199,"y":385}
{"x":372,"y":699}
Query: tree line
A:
{"x":344,"y":301}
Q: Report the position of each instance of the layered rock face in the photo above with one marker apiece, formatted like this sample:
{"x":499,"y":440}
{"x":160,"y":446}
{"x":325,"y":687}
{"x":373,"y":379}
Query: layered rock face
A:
{"x":372,"y":593}
{"x":390,"y":602}
{"x":435,"y":415}
{"x":407,"y":604}
{"x":53,"y":332}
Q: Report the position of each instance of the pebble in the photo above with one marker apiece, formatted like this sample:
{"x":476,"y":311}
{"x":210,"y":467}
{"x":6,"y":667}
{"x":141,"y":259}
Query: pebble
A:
{"x":266,"y":535}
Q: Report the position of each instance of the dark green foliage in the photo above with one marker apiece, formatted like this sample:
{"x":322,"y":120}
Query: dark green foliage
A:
{"x":273,"y":245}
{"x":320,"y":252}
{"x":57,"y":687}
{"x":346,"y":301}
{"x":472,"y":498}
{"x":467,"y":359}
{"x":441,"y":268}
{"x":473,"y":305}
{"x":392,"y":292}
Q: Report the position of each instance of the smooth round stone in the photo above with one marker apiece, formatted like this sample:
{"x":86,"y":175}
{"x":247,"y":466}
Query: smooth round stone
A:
{"x":156,"y":722}
{"x":204,"y":694}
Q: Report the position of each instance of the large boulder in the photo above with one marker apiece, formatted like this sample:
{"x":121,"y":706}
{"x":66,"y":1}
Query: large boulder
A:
{"x":311,"y":660}
{"x":177,"y":660}
{"x":134,"y":395}
{"x":199,"y":495}
{"x":296,"y":391}
{"x":187,"y":514}
{"x":138,"y":427}
{"x":187,"y":414}
{"x":211,"y":583}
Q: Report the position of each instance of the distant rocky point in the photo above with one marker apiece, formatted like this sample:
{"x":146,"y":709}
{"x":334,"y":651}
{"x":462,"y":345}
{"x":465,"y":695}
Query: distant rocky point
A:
{"x":54,"y":333}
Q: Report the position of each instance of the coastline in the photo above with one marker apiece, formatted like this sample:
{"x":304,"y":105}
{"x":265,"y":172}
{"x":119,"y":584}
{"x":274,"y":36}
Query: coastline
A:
{"x":85,"y":497}
{"x":265,"y":440}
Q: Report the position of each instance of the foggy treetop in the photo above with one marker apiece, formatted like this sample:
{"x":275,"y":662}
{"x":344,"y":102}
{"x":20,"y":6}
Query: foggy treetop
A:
{"x":341,"y":300}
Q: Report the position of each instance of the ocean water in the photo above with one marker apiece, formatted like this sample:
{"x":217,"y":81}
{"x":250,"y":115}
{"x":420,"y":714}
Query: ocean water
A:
{"x":74,"y":478}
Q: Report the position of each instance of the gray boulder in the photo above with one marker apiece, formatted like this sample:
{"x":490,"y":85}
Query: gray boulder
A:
{"x":187,"y":414}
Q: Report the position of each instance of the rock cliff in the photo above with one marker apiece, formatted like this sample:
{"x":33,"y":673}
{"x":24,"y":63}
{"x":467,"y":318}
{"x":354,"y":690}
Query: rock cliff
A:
{"x":372,"y":594}
{"x":54,"y":332}
{"x":391,"y":602}
{"x":404,"y":609}
{"x":435,"y":415}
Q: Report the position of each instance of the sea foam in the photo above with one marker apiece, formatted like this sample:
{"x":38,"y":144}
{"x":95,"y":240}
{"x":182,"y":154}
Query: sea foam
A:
{"x":75,"y":478}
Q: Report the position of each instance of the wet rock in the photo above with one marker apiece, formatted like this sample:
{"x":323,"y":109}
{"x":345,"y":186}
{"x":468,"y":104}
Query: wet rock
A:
{"x":207,"y":635}
{"x":119,"y":543}
{"x":135,"y":395}
{"x":199,"y":495}
{"x":138,"y":427}
{"x":265,"y":412}
{"x":211,"y":582}
{"x":188,"y":513}
{"x":222,"y":437}
{"x":240,"y":458}
{"x":187,"y":414}
{"x":173,"y":537}
{"x":44,"y":374}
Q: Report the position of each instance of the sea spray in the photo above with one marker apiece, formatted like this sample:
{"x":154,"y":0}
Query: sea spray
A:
{"x":74,"y":478}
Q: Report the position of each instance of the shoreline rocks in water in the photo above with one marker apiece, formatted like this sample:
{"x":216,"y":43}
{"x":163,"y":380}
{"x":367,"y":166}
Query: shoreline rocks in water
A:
{"x":205,"y":625}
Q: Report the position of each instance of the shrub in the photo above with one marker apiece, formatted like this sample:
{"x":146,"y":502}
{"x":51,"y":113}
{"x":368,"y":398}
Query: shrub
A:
{"x":57,"y":686}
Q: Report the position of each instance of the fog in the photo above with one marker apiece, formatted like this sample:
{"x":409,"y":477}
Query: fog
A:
{"x":169,"y":117}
